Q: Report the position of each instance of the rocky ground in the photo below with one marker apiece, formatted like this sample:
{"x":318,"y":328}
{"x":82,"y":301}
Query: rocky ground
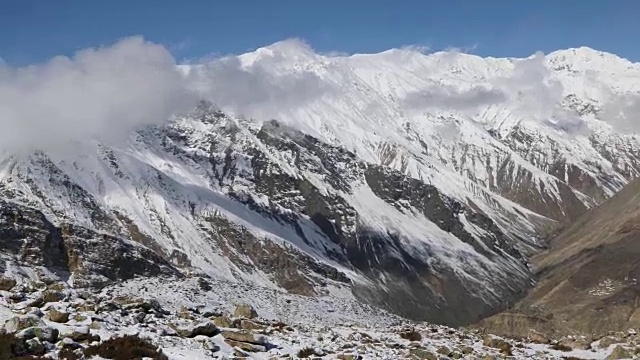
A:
{"x":198,"y":318}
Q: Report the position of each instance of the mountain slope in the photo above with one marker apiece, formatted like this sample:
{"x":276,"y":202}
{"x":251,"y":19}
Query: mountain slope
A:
{"x":417,"y":183}
{"x":277,"y":207}
{"x":588,"y":277}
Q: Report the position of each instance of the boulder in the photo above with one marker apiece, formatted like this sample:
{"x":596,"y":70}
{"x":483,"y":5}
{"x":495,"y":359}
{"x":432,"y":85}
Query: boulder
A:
{"x":246,"y":346}
{"x":223,"y":322}
{"x":205,"y":328}
{"x":18,"y":323}
{"x":245,"y":311}
{"x":7,"y":283}
{"x":52,"y":296}
{"x":419,"y":353}
{"x":79,"y":334}
{"x":607,"y":341}
{"x":244,"y":336}
{"x":42,"y":333}
{"x":497,"y":343}
{"x":619,"y":353}
{"x":58,"y":316}
{"x":538,"y":338}
{"x":34,"y":346}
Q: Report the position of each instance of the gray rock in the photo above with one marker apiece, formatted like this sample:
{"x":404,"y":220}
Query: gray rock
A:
{"x":18,"y":323}
{"x":204,"y":328}
{"x":34,"y":346}
{"x":42,"y":333}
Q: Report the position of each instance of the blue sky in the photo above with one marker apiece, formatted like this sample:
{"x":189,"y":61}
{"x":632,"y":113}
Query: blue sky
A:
{"x":33,"y":31}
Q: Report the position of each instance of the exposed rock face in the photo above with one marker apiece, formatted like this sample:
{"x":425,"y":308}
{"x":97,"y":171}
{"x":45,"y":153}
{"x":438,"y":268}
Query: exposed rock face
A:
{"x":94,"y":259}
{"x":588,"y":278}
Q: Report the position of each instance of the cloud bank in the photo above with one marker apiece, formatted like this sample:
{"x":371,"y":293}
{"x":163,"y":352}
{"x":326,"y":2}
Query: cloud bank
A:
{"x":103,"y":93}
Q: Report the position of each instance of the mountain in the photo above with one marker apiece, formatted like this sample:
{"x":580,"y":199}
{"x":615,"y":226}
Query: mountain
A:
{"x":587,"y":278}
{"x":416,"y":183}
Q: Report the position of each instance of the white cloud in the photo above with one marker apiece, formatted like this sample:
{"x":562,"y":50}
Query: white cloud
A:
{"x":450,"y":97}
{"x":537,"y":95}
{"x":102,"y":93}
{"x":259,"y":89}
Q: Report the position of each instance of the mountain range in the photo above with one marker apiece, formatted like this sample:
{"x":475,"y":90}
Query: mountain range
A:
{"x":419,"y":183}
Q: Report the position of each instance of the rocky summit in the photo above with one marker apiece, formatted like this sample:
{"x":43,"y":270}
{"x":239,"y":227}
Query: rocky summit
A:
{"x":410,"y":190}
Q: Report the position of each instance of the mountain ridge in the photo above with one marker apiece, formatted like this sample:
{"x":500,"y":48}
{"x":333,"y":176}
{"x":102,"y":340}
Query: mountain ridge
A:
{"x":418,"y":183}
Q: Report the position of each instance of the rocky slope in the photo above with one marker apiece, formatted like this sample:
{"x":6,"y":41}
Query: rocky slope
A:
{"x":587,"y":278}
{"x":200,"y":318}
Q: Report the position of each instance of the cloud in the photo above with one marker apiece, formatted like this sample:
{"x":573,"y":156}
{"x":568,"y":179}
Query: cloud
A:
{"x":450,"y":97}
{"x":622,"y":111}
{"x":537,"y":96}
{"x":262,"y":87}
{"x":103,"y":93}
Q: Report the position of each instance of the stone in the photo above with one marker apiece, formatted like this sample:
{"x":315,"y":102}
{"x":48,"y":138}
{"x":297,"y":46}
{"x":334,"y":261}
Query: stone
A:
{"x":79,"y":334}
{"x":497,"y":343}
{"x":246,"y":346}
{"x":251,"y":325}
{"x":538,"y":338}
{"x":52,"y":296}
{"x":443,"y":350}
{"x":206,"y":328}
{"x":34,"y":346}
{"x":16,"y":324}
{"x":223,"y":322}
{"x":465,"y":349}
{"x":7,"y":283}
{"x":245,"y":311}
{"x":619,"y":353}
{"x":43,"y":333}
{"x":58,"y":316}
{"x":607,"y":341}
{"x":577,"y":343}
{"x":419,"y":353}
{"x":244,"y":336}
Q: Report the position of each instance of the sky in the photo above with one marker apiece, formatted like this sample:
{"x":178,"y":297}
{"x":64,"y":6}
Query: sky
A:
{"x":33,"y":31}
{"x":73,"y":70}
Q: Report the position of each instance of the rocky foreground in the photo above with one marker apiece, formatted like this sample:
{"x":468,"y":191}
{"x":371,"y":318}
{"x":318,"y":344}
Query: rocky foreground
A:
{"x":198,"y":318}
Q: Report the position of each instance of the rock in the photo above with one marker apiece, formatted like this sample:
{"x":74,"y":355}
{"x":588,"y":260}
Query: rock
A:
{"x":52,"y":296}
{"x":223,"y":322}
{"x":244,"y":336}
{"x":419,"y":353}
{"x":538,"y":338}
{"x":578,"y":343}
{"x":251,"y":325}
{"x":7,"y":283}
{"x":140,"y":317}
{"x":497,"y":343}
{"x":619,"y":353}
{"x":245,"y":311}
{"x":79,"y":334}
{"x":443,"y":350}
{"x":246,"y":346}
{"x":43,"y":333}
{"x":204,"y":328}
{"x":34,"y":346}
{"x":37,"y":301}
{"x":185,"y":313}
{"x":607,"y":341}
{"x":34,"y":311}
{"x":465,"y":349}
{"x":58,"y":316}
{"x":16,"y":324}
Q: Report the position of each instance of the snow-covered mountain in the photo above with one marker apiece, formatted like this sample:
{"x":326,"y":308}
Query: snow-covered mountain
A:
{"x":420,"y":183}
